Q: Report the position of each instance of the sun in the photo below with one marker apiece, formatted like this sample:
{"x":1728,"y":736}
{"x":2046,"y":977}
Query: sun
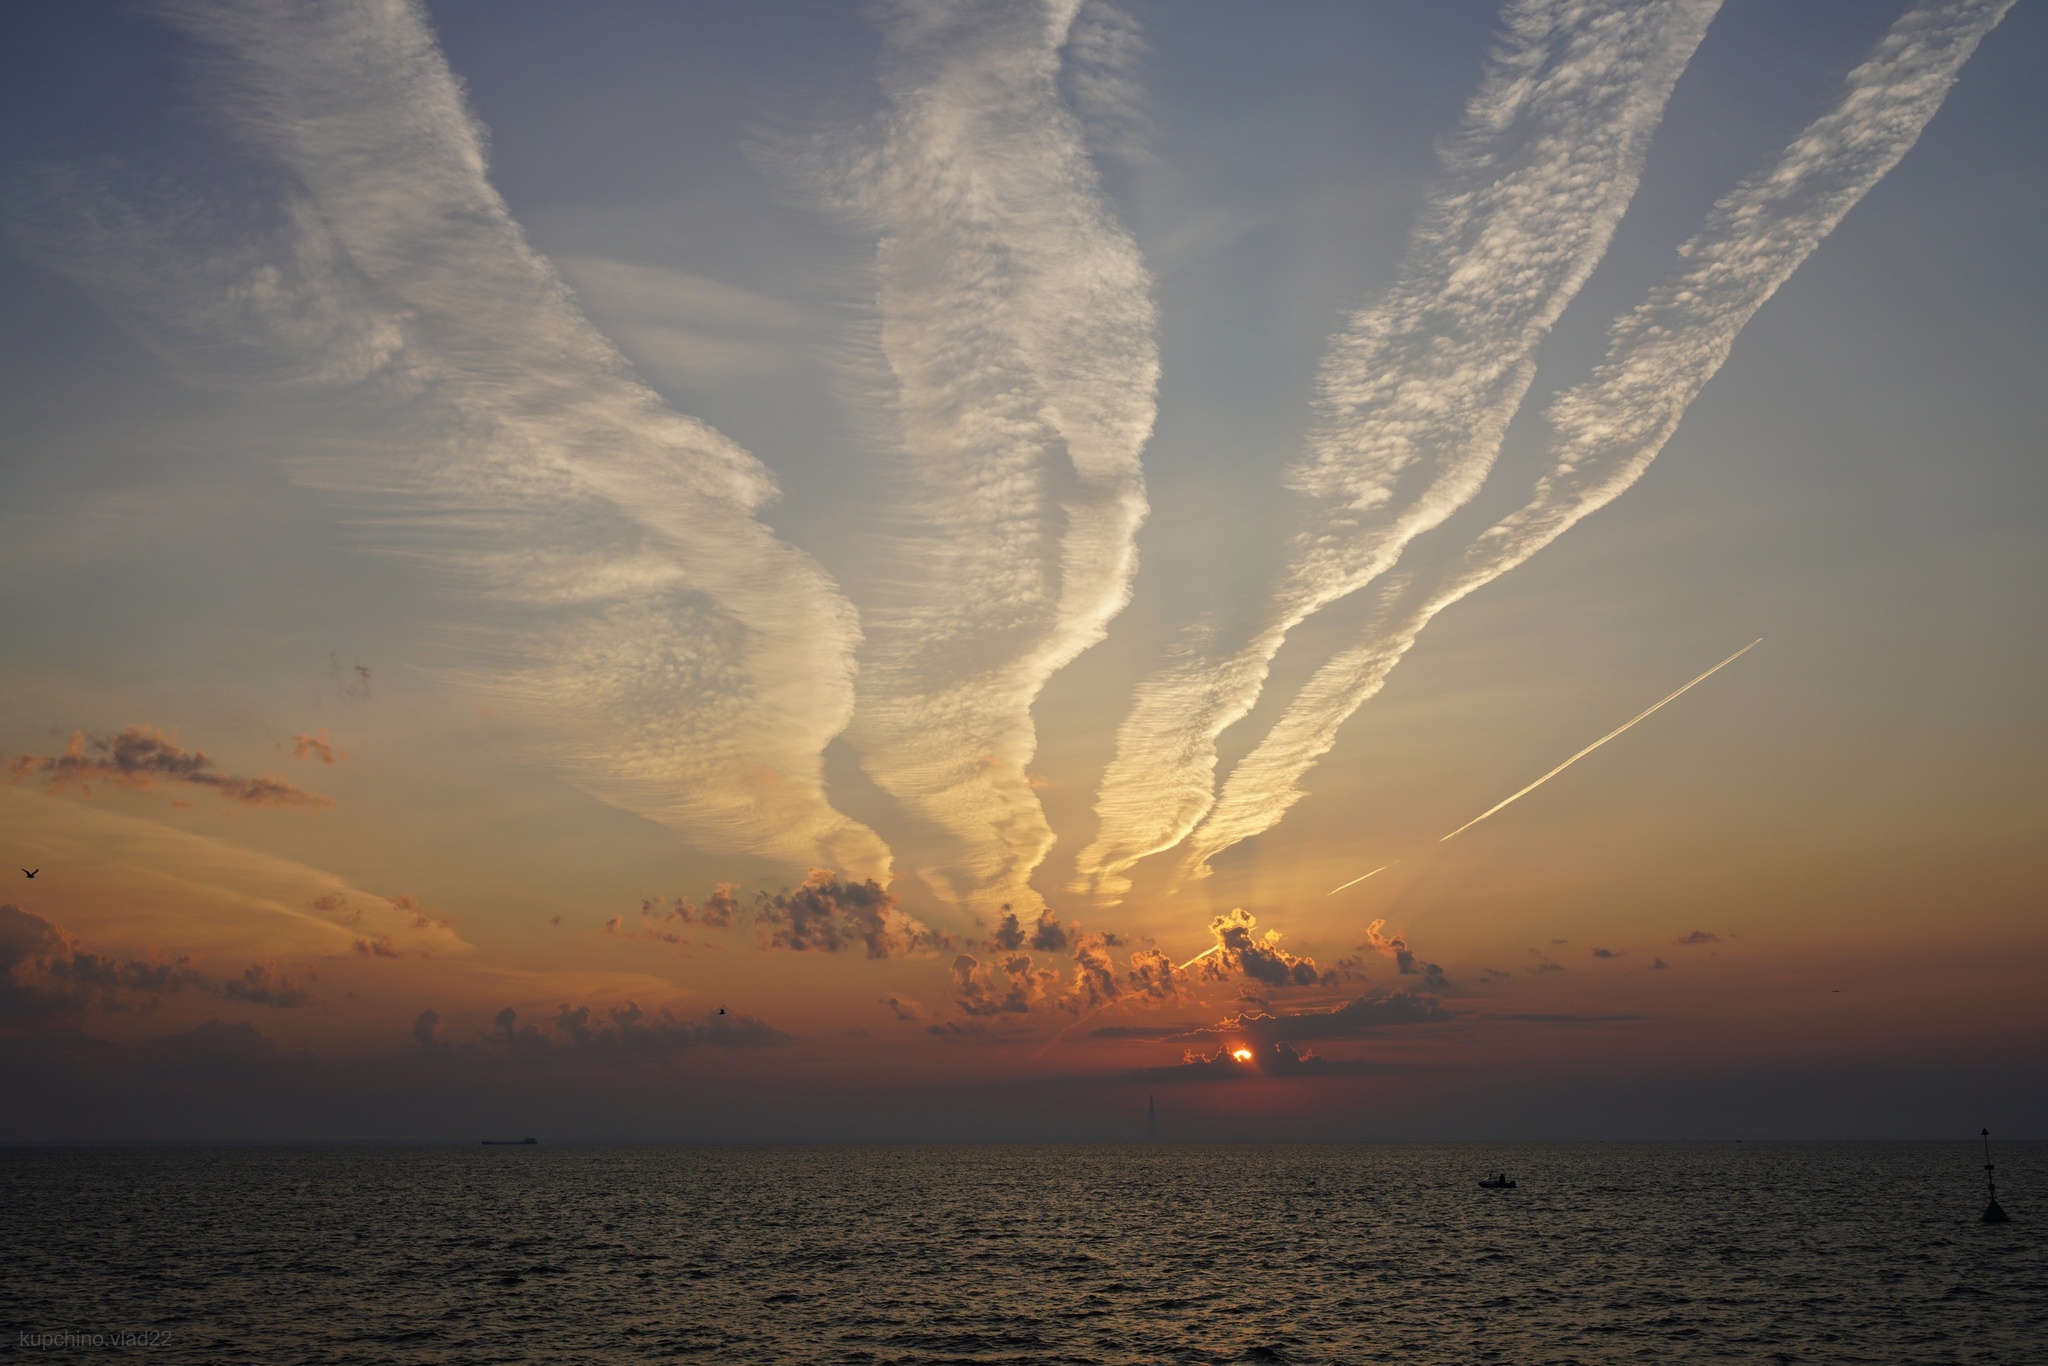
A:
{"x":1241,"y":1054}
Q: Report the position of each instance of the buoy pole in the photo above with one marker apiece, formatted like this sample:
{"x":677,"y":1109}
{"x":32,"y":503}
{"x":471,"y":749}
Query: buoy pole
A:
{"x":1992,"y":1213}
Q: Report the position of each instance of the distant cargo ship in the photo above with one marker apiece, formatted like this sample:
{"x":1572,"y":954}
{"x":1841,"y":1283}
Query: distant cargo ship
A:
{"x":510,"y":1142}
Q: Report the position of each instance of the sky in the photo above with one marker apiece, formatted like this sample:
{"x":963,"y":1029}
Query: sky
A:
{"x":816,"y":571}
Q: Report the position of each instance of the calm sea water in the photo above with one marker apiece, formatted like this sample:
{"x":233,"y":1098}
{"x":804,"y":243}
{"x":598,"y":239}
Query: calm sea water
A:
{"x":1604,"y":1253}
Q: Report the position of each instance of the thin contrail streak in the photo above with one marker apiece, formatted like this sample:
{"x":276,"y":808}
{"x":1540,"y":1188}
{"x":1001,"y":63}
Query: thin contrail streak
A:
{"x":1414,"y":396}
{"x":1639,"y":716}
{"x":1362,"y":877}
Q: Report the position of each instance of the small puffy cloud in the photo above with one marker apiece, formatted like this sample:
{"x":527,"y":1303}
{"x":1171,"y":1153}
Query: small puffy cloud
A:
{"x":379,"y":947}
{"x":1048,"y":935}
{"x":1008,"y":985}
{"x":1659,"y":965}
{"x":1543,"y":964}
{"x":316,"y":746}
{"x":1610,"y":953}
{"x":426,"y":1031}
{"x":1395,"y":946}
{"x":827,"y":913}
{"x":1240,"y":950}
{"x":140,"y":758}
{"x":1699,"y":937}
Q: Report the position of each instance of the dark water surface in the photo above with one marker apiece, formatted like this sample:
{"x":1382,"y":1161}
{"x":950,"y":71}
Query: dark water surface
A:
{"x":1605,"y":1253}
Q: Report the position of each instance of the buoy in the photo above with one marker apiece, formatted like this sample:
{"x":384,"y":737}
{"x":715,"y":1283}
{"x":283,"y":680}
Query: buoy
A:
{"x":1992,"y":1213}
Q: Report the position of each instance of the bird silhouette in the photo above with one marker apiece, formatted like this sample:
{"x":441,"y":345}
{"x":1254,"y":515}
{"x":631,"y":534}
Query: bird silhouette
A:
{"x":30,"y":872}
{"x":721,"y":1010}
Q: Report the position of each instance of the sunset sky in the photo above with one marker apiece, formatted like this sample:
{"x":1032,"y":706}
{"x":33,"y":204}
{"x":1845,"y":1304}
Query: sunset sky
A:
{"x":812,"y":570}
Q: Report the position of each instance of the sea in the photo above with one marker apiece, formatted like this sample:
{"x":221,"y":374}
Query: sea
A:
{"x":1140,"y":1253}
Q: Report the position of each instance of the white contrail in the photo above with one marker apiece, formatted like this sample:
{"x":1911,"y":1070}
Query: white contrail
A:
{"x":1017,"y":322}
{"x":1603,"y":740}
{"x":1659,"y":357}
{"x":1415,"y":394}
{"x":1360,"y":878}
{"x":644,"y":626}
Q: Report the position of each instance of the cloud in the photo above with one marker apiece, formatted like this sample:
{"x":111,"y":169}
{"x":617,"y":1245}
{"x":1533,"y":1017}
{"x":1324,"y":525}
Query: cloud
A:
{"x":1609,"y":429}
{"x":587,"y":1034}
{"x":828,"y":913}
{"x":379,"y":947}
{"x":316,"y":746}
{"x":139,"y":758}
{"x":1414,"y":395}
{"x":1538,"y":1017}
{"x":610,"y":548}
{"x":1396,"y":947}
{"x":1015,"y":322}
{"x":1610,"y":953}
{"x":1241,"y":951}
{"x":262,"y":984}
{"x":1010,"y":985}
{"x":1361,"y":1015}
{"x":48,"y":974}
{"x":426,"y":1031}
{"x":1280,"y":1060}
{"x":1659,"y":965}
{"x":664,"y":921}
{"x":1699,"y":937}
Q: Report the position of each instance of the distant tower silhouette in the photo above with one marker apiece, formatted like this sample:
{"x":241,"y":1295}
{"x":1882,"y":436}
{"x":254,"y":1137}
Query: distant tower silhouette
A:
{"x":1151,"y":1121}
{"x":1992,"y":1213}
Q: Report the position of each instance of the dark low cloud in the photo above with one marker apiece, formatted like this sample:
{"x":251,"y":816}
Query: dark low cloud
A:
{"x":1699,"y":937}
{"x":624,"y":1033}
{"x":263,"y":985}
{"x":1659,"y":965}
{"x":1538,"y":1017}
{"x":140,"y":757}
{"x":1395,"y":946}
{"x":1348,"y":1021}
{"x":827,"y":913}
{"x":1610,"y":953}
{"x":47,"y":974}
{"x":1280,"y":1060}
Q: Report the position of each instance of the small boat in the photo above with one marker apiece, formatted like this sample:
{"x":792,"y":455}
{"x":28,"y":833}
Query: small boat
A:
{"x":1497,"y":1183}
{"x":511,"y":1142}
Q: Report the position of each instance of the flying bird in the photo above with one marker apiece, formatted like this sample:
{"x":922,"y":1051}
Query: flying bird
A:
{"x":30,"y":872}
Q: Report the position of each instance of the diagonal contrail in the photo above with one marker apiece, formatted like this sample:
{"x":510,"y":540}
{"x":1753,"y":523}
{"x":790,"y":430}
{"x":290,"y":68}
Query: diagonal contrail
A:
{"x":1415,"y":393}
{"x":1362,"y":877}
{"x":1639,"y":716}
{"x":1610,"y":428}
{"x":1016,"y":319}
{"x":633,"y":616}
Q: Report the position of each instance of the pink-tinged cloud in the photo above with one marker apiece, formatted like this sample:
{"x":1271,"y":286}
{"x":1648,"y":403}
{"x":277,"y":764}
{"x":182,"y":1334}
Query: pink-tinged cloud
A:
{"x":46,"y":973}
{"x":139,"y":758}
{"x":316,"y":746}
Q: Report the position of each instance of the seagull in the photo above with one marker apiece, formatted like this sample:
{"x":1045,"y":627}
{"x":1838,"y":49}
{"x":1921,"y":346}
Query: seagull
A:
{"x":30,"y":872}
